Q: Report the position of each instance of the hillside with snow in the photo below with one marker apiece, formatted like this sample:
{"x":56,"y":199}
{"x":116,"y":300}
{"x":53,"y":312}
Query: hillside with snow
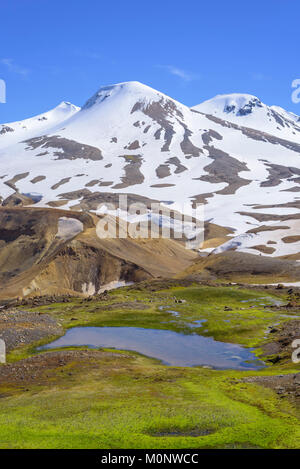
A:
{"x":14,"y":132}
{"x":248,"y":111}
{"x":234,"y":154}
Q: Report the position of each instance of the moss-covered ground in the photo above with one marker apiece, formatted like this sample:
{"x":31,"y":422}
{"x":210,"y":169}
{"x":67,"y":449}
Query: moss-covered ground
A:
{"x":124,"y":400}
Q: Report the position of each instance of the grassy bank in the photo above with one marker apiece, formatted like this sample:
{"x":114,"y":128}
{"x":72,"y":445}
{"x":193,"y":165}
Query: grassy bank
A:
{"x":124,"y":400}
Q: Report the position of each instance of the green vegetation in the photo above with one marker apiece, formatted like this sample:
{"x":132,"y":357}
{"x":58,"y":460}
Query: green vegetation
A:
{"x":136,"y":403}
{"x":124,"y":400}
{"x":245,"y":322}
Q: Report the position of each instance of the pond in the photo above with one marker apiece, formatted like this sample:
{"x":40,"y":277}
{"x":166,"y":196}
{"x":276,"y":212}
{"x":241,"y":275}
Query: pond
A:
{"x":172,"y":348}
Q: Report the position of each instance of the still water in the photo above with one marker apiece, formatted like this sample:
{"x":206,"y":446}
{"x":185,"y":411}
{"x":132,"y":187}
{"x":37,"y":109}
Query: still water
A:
{"x":172,"y":348}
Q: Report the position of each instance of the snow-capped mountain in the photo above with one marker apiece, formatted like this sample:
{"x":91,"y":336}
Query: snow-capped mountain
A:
{"x":249,"y":111}
{"x":129,"y":138}
{"x":15,"y":131}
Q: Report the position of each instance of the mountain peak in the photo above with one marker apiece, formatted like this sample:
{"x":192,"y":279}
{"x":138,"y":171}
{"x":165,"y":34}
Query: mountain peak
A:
{"x":129,"y":91}
{"x":237,"y":104}
{"x":249,"y":111}
{"x":66,"y":105}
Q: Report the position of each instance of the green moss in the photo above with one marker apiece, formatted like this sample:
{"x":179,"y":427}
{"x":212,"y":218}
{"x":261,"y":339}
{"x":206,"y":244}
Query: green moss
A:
{"x":125,"y":400}
{"x":135,"y":403}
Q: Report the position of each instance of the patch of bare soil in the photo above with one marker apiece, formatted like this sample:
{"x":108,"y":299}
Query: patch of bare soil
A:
{"x":244,"y":267}
{"x":280,"y":349}
{"x":283,"y":385}
{"x":24,"y":328}
{"x":280,"y":345}
{"x":263,"y":249}
{"x":38,"y":368}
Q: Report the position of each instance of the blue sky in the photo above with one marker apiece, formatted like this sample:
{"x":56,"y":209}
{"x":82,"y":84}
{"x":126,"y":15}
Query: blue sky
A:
{"x":65,"y":50}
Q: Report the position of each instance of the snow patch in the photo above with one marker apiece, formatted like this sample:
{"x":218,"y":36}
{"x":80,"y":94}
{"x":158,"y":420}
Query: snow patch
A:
{"x":68,"y":228}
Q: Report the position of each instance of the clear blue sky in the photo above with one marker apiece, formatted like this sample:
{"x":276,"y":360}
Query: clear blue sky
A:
{"x":54,"y":50}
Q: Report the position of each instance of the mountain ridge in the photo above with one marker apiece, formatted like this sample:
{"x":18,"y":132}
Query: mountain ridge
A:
{"x":12,"y":132}
{"x":131,"y":139}
{"x":249,"y":111}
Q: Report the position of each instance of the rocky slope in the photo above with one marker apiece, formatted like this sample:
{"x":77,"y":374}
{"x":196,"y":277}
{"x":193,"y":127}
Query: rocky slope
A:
{"x":50,"y":251}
